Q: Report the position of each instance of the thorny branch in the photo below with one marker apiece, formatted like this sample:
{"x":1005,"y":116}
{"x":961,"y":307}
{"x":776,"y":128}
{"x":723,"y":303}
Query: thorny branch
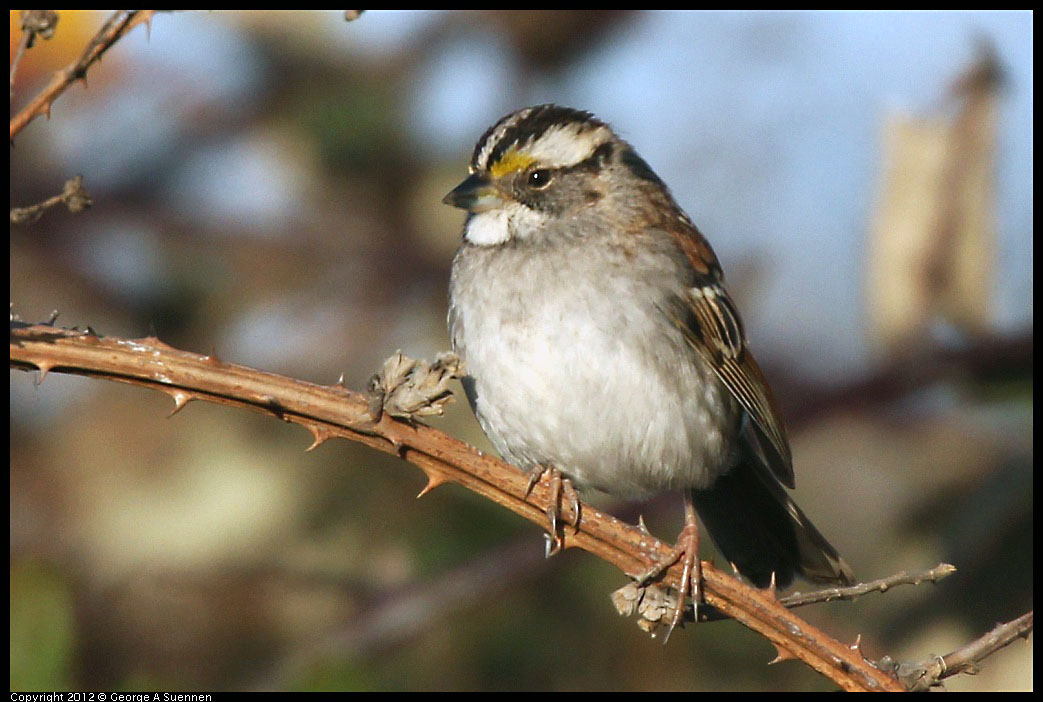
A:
{"x":328,"y":411}
{"x":121,"y":22}
{"x":921,"y":676}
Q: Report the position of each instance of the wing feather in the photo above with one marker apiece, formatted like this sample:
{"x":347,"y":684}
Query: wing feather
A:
{"x":711,"y":324}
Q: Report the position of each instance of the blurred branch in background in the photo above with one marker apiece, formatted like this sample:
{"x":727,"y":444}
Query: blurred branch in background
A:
{"x":982,"y":360}
{"x":35,"y":23}
{"x":42,"y":23}
{"x":121,"y":22}
{"x":73,"y":196}
{"x":932,"y":242}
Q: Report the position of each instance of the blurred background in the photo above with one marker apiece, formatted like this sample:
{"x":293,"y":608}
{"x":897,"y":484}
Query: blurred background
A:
{"x":268,"y":185}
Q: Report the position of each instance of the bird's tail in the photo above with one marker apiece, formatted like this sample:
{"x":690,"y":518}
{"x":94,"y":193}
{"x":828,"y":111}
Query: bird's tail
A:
{"x":761,"y":530}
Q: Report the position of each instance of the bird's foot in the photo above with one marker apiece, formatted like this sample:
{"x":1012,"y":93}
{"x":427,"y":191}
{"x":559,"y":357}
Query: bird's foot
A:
{"x":686,"y":552}
{"x":560,"y":487}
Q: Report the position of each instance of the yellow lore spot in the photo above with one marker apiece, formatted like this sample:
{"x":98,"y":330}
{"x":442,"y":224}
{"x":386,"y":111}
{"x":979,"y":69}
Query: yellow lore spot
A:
{"x":511,"y":162}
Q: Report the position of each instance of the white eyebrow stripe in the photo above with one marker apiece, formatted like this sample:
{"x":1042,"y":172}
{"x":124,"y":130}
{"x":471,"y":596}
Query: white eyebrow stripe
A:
{"x":566,"y":145}
{"x":559,"y":146}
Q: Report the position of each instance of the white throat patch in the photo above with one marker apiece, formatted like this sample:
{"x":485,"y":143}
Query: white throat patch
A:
{"x":488,"y":228}
{"x":494,"y":227}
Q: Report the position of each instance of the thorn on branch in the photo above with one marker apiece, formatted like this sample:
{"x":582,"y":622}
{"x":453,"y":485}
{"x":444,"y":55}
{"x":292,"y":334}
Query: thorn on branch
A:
{"x":434,"y":479}
{"x":781,"y":654}
{"x":181,"y":398}
{"x":44,"y":368}
{"x":319,"y":435}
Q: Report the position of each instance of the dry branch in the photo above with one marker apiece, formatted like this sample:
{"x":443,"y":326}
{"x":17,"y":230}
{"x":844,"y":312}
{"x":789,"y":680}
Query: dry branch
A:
{"x":923,"y":675}
{"x":328,"y":411}
{"x":75,"y":198}
{"x":121,"y":22}
{"x":851,"y":592}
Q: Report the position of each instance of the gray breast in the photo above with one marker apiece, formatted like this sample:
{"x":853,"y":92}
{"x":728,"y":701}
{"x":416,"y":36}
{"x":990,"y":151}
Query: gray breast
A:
{"x":572,"y":364}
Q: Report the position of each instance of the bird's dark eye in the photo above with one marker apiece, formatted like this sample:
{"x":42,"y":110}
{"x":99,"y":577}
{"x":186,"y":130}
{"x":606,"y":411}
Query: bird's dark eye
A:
{"x":540,"y":178}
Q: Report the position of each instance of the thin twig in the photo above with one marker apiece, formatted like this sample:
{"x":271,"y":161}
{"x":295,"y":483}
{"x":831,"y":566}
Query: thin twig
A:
{"x":22,"y":46}
{"x":35,"y":23}
{"x":73,"y":195}
{"x":121,"y":22}
{"x":922,"y":675}
{"x":852,"y":592}
{"x":328,"y":411}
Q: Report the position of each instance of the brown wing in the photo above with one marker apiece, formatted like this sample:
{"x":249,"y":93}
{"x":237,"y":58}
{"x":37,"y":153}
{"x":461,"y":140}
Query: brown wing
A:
{"x":707,"y":317}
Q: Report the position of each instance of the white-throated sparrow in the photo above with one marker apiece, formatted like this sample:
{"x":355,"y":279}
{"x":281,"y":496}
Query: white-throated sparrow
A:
{"x":599,"y":341}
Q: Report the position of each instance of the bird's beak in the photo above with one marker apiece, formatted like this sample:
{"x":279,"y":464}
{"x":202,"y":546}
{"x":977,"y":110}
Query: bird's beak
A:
{"x":476,"y":194}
